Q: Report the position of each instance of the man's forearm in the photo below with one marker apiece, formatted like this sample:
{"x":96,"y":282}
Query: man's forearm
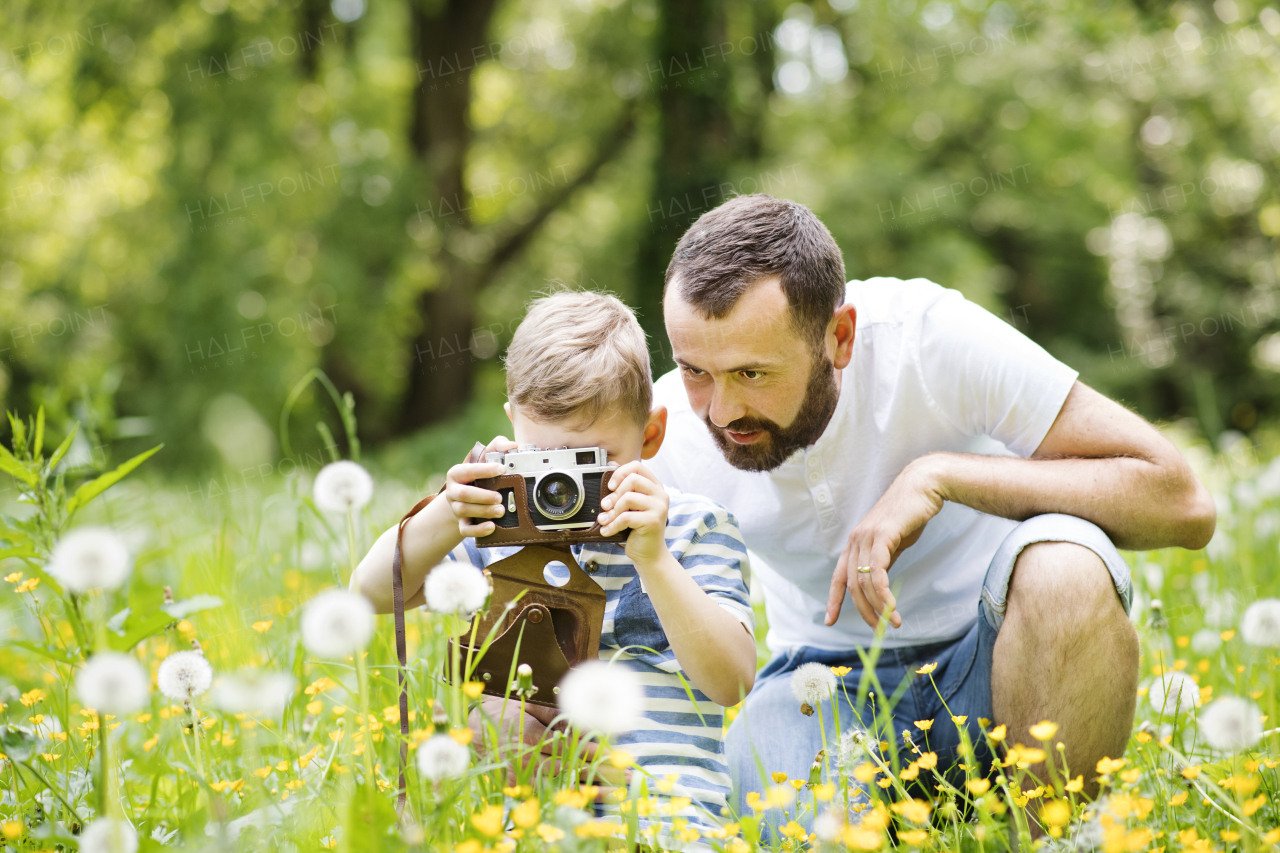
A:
{"x":1140,"y":504}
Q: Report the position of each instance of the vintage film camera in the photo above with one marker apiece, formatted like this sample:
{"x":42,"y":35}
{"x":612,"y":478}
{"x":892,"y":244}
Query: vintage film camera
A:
{"x":551,"y":498}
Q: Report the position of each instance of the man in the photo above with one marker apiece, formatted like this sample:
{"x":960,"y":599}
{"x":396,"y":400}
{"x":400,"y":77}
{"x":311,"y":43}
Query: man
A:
{"x":889,"y":441}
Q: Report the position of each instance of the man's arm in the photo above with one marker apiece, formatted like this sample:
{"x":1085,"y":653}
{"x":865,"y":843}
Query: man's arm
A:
{"x":1099,"y":461}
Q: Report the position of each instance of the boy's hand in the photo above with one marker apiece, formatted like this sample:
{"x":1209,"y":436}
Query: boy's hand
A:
{"x":468,"y":502}
{"x":638,"y":502}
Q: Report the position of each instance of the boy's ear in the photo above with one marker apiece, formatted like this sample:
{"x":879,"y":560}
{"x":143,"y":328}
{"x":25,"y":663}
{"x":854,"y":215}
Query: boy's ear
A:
{"x":655,"y":430}
{"x":506,"y":407}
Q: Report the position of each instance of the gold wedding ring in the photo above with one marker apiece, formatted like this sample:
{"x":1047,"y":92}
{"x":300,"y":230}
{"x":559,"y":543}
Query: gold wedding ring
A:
{"x":866,"y":570}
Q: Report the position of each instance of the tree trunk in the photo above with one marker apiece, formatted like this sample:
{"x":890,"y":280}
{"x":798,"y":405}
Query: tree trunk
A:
{"x":446,"y":40}
{"x":695,"y":147}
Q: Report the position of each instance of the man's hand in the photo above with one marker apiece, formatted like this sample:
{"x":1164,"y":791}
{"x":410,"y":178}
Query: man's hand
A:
{"x":468,"y":502}
{"x":638,"y":502}
{"x":892,"y":526}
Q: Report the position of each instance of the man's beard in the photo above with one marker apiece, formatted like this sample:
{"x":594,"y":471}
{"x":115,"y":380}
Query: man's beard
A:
{"x":778,"y":443}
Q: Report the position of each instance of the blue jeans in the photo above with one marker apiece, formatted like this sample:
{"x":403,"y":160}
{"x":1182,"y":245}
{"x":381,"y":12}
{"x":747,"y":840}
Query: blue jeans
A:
{"x":771,"y":728}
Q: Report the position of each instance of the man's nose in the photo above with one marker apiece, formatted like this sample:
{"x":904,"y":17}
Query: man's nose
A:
{"x":725,"y":407}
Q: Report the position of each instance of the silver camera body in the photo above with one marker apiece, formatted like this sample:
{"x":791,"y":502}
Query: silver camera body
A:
{"x":563,"y":486}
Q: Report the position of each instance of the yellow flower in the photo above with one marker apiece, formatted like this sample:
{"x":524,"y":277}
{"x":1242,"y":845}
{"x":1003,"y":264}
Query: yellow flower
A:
{"x":1178,"y":798}
{"x":1228,"y":835}
{"x":1056,"y":812}
{"x":1044,"y":730}
{"x":928,"y":761}
{"x":840,"y":671}
{"x":824,"y":792}
{"x":489,"y":821}
{"x":916,"y":811}
{"x":910,"y":772}
{"x":262,"y":772}
{"x":150,"y":744}
{"x":1131,"y":776}
{"x":473,"y":689}
{"x":914,"y":836}
{"x":796,"y":783}
{"x":315,"y":707}
{"x":754,"y":801}
{"x":1272,"y":837}
{"x":13,"y":577}
{"x":12,"y":830}
{"x":926,"y":669}
{"x":1076,"y":785}
{"x":469,"y":846}
{"x":778,"y":777}
{"x":571,"y":798}
{"x":1143,"y":737}
{"x":1227,"y":635}
{"x":960,"y":720}
{"x":924,"y":725}
{"x":462,"y":736}
{"x":525,"y":814}
{"x":1251,"y":806}
{"x":620,"y":758}
{"x":31,"y":697}
{"x":997,"y":734}
{"x":1110,"y":765}
{"x":861,"y":839}
{"x":884,"y":782}
{"x":978,"y":786}
{"x":263,"y":626}
{"x":1191,"y":772}
{"x":549,"y":833}
{"x":865,"y":772}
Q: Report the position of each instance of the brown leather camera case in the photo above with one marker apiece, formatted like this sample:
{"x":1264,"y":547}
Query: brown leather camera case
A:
{"x":550,"y":628}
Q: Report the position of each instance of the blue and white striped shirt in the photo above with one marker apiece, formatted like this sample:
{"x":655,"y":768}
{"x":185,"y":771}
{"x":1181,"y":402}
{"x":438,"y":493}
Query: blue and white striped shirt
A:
{"x":680,"y":739}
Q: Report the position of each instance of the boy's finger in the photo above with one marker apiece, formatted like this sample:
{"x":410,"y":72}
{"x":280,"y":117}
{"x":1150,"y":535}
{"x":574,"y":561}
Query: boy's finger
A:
{"x":484,"y":528}
{"x":620,"y":473}
{"x":462,"y":493}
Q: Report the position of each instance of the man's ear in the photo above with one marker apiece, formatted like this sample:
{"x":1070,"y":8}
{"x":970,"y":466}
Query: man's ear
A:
{"x":506,"y":407}
{"x":844,"y":327}
{"x":655,"y":430}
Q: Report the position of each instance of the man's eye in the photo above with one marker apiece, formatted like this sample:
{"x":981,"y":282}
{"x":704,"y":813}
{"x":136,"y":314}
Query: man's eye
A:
{"x":752,"y":374}
{"x":693,"y":371}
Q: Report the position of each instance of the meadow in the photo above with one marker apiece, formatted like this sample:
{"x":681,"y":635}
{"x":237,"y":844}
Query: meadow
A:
{"x":177,"y":672}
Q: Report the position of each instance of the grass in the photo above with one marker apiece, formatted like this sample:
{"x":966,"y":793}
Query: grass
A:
{"x":241,"y":565}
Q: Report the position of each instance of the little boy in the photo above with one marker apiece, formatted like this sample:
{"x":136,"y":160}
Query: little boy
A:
{"x":578,"y":376}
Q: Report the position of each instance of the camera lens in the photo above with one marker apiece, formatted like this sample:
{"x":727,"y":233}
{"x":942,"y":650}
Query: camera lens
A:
{"x":558,"y":495}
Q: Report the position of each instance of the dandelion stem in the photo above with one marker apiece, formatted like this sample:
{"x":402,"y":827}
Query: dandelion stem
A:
{"x":351,"y":544}
{"x":362,"y":678}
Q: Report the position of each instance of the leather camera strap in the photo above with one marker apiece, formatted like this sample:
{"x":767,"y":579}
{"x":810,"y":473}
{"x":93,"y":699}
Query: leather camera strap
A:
{"x":397,"y":596}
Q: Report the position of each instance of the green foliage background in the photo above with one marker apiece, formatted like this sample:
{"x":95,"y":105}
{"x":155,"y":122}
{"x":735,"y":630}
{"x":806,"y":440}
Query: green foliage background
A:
{"x":1102,"y":175}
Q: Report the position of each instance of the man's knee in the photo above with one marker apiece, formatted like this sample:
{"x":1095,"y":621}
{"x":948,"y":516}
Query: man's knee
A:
{"x":1064,"y":589}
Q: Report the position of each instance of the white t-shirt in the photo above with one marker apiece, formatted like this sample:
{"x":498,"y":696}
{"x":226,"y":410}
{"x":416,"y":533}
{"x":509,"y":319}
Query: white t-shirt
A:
{"x":931,"y":371}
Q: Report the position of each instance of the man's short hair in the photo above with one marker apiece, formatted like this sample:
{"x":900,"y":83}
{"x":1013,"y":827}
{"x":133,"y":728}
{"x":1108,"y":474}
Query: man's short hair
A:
{"x":754,"y":236}
{"x":579,"y":355}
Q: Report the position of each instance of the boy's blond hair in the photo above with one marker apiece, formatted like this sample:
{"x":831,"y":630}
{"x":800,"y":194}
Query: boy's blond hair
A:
{"x":580,"y":356}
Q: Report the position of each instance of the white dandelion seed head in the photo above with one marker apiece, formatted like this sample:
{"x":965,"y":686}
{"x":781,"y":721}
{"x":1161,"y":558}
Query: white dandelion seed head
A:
{"x":441,"y":757}
{"x":1205,"y":642}
{"x":1231,"y":724}
{"x":265,"y":693}
{"x":458,"y":588}
{"x":1174,"y":693}
{"x":600,"y":697}
{"x":337,"y":623}
{"x":113,"y":683}
{"x":813,"y":683}
{"x":90,"y":558}
{"x":184,"y":675}
{"x":108,"y":835}
{"x":827,"y":826}
{"x":851,"y":746}
{"x":343,"y":486}
{"x":1261,"y":623}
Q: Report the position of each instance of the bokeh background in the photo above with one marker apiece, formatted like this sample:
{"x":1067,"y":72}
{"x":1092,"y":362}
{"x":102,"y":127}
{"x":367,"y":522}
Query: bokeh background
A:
{"x":202,"y":202}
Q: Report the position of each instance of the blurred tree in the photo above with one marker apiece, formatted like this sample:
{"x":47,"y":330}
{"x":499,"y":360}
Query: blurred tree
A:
{"x":448,"y":40}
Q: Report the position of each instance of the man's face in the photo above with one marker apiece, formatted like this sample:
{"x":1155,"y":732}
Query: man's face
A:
{"x":752,"y":377}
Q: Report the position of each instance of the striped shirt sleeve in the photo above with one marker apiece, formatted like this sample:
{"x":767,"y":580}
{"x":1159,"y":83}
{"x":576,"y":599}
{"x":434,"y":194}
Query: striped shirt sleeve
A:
{"x":704,"y":537}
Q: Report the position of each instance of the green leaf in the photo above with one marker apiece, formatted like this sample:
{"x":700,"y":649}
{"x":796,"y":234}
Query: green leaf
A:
{"x":11,"y":466}
{"x":139,"y":628}
{"x":52,"y":653}
{"x":194,"y":604}
{"x":37,"y":444}
{"x":62,"y":449}
{"x":19,"y":551}
{"x":93,"y":488}
{"x":133,"y":628}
